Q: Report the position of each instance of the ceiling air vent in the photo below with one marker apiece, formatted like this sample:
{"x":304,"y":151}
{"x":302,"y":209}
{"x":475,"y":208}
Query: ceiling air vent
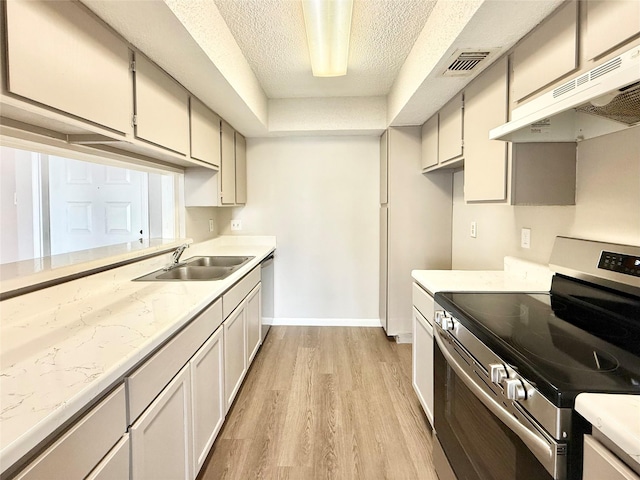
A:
{"x":464,"y":62}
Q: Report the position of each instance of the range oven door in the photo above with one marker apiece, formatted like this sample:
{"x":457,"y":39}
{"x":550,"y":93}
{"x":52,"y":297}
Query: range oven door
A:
{"x":477,"y":443}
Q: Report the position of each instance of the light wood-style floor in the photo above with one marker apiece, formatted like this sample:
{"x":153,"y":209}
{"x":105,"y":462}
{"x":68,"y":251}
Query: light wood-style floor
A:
{"x":325,"y":402}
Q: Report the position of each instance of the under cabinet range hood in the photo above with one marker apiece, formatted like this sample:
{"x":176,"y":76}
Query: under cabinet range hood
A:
{"x":603,"y":100}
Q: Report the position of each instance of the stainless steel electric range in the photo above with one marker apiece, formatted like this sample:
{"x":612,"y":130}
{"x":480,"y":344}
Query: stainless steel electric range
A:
{"x":508,"y":366}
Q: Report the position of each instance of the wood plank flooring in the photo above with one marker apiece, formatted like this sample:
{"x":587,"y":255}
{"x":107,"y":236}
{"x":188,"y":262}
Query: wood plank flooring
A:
{"x":325,"y":403}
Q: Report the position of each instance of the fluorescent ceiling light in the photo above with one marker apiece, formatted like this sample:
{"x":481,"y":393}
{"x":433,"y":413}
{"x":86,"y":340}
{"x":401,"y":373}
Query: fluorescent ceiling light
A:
{"x":328,"y":25}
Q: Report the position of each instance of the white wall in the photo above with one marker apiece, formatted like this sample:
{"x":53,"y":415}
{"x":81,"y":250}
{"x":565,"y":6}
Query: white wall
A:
{"x":607,"y":209}
{"x":320,"y":197}
{"x":197,"y":223}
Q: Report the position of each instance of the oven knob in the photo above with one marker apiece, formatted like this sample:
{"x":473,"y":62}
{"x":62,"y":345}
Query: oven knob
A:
{"x":498,"y":373}
{"x":444,"y":320}
{"x":515,"y":389}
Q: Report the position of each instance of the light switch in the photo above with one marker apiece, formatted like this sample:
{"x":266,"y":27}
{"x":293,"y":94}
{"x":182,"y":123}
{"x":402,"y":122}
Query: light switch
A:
{"x":474,"y":230}
{"x":525,"y":238}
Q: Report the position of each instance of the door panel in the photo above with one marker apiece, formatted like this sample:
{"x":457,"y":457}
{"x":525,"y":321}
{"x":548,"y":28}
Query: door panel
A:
{"x":94,"y":205}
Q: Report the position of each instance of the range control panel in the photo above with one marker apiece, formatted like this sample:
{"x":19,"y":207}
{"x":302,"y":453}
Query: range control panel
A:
{"x":621,"y":263}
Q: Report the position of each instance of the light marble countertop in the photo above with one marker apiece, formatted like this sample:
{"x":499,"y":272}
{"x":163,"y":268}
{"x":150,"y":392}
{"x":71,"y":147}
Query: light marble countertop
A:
{"x":63,"y":346}
{"x":617,"y":417}
{"x":518,"y":276}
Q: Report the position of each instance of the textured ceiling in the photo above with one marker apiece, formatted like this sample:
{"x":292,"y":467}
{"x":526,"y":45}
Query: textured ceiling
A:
{"x":271,"y":35}
{"x":247,"y":60}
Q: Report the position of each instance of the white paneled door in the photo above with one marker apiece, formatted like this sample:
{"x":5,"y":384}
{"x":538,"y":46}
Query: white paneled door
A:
{"x":94,"y":205}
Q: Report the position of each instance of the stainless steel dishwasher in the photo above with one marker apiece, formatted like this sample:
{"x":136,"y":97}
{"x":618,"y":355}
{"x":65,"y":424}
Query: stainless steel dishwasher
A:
{"x":266,"y":270}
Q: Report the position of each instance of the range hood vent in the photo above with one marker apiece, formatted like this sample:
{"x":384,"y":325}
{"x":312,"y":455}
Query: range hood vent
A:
{"x":623,"y":108}
{"x":603,"y":100}
{"x":464,"y":62}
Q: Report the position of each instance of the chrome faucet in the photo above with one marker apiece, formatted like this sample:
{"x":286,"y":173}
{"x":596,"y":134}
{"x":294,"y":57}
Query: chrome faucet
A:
{"x":176,"y":255}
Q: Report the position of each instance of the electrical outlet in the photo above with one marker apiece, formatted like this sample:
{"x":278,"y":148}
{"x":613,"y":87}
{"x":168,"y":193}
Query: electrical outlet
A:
{"x":474,"y":230}
{"x":525,"y":238}
{"x":211,"y":224}
{"x":236,"y":225}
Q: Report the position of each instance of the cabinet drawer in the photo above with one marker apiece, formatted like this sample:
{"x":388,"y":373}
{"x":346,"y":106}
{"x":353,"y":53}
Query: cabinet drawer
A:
{"x":149,"y":380}
{"x":600,"y":462}
{"x":233,"y":297}
{"x":80,"y":449}
{"x":423,"y":302}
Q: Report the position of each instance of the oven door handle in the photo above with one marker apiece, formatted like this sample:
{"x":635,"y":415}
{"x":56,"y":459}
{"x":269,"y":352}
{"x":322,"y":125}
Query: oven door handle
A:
{"x":543,"y":450}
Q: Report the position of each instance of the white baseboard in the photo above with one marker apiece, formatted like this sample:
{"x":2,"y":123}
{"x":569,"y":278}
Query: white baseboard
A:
{"x":328,"y":322}
{"x":267,"y":320}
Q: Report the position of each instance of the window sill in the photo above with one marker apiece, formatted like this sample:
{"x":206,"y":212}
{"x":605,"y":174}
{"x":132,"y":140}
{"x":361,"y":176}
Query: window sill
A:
{"x":28,"y":275}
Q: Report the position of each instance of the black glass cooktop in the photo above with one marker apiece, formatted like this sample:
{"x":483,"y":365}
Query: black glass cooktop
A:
{"x":578,"y":338}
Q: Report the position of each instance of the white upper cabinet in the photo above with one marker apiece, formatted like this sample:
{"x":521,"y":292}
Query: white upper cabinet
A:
{"x":429,"y":157}
{"x":450,"y":132}
{"x":548,"y":53}
{"x":485,"y":161}
{"x":205,"y":133}
{"x":609,"y":23}
{"x":161,"y":107}
{"x":233,"y":167}
{"x":228,"y":165}
{"x":61,"y":56}
{"x":241,"y":169}
{"x":384,"y":168}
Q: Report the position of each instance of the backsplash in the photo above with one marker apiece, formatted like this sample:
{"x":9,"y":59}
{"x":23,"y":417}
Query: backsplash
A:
{"x":607,"y":206}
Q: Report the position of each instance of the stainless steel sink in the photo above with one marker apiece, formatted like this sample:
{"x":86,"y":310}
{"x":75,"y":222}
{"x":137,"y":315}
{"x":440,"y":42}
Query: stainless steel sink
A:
{"x":197,"y":268}
{"x":217,"y":261}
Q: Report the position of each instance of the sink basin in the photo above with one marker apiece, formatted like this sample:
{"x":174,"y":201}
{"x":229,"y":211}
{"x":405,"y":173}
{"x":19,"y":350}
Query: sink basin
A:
{"x":195,"y":273}
{"x":198,"y":268}
{"x":217,"y":261}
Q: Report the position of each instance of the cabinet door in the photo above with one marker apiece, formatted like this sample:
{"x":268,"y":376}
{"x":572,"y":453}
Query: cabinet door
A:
{"x":384,"y":168}
{"x":601,"y":463}
{"x":548,"y":53}
{"x":227,"y":164}
{"x":60,"y":55}
{"x":115,"y":466}
{"x":485,"y":161}
{"x":450,"y":131}
{"x":207,"y":396}
{"x":241,"y":169}
{"x":429,"y":156}
{"x":423,"y":362}
{"x":608,"y":24}
{"x":205,"y":133}
{"x":161,"y":439}
{"x":162,"y":108}
{"x":254,"y":322}
{"x":383,"y":296}
{"x":235,"y":358}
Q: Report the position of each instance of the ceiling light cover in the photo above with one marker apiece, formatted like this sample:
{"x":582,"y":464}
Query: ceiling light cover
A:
{"x":328,"y":25}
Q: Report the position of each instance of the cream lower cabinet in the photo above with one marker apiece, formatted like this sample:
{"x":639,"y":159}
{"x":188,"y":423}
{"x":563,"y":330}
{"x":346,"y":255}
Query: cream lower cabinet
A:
{"x":161,"y":439}
{"x":422,"y":352}
{"x":81,"y":448}
{"x":235,"y":358}
{"x":207,"y":396}
{"x":242,"y":331}
{"x":600,"y":463}
{"x":115,"y":466}
{"x":254,"y":322}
